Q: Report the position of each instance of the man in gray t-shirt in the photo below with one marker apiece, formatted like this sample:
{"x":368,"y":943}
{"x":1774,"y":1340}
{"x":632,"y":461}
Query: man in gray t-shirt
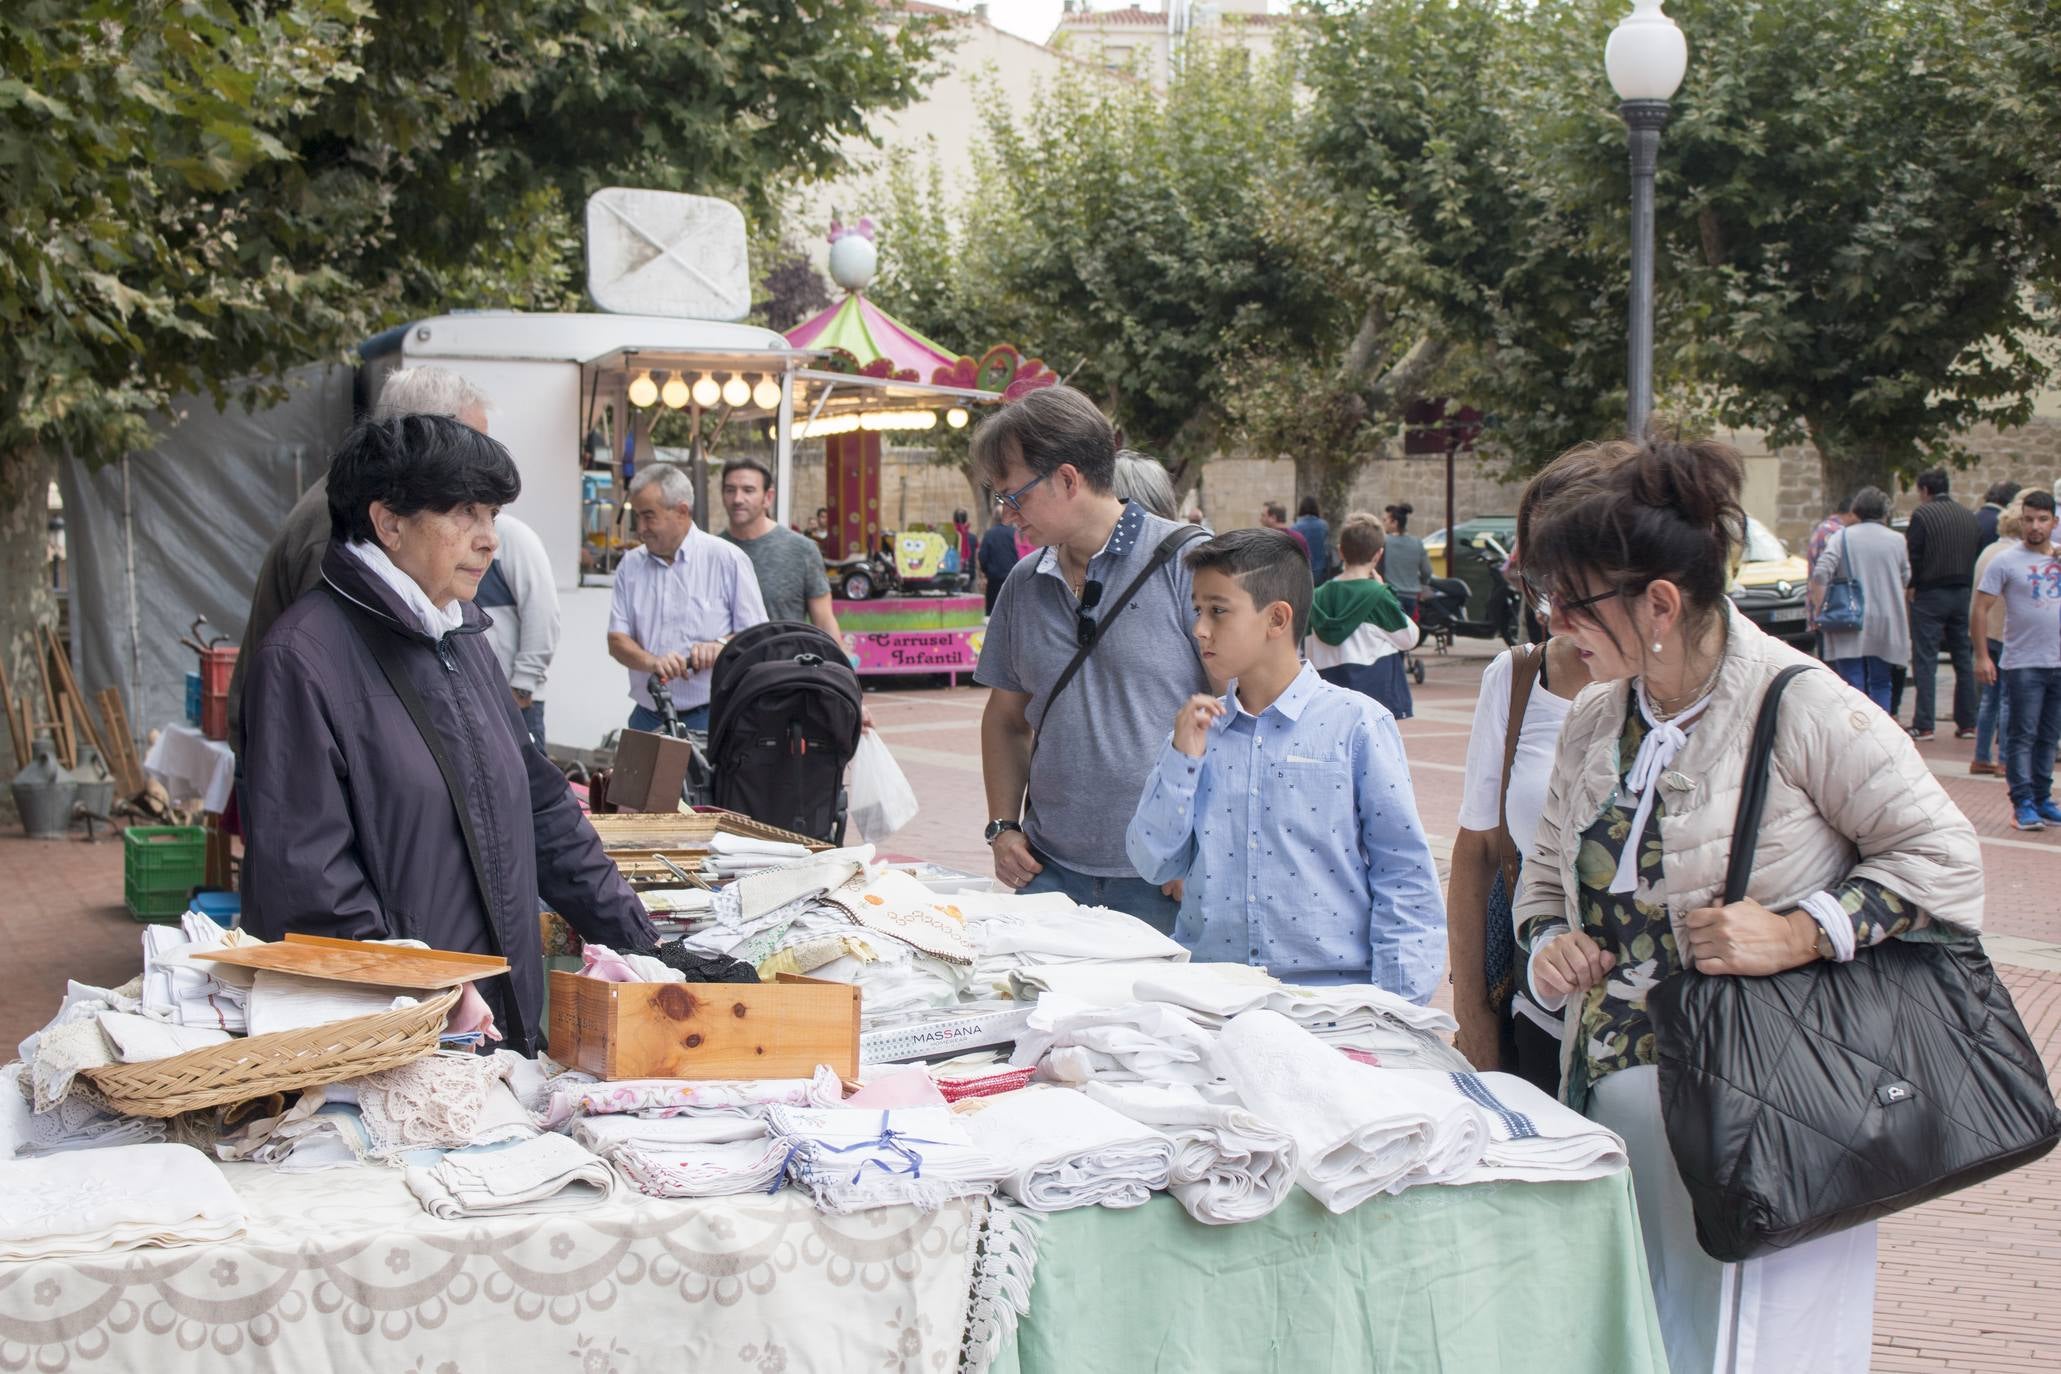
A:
{"x":1057,"y":815}
{"x":2028,"y":581}
{"x":789,"y":565}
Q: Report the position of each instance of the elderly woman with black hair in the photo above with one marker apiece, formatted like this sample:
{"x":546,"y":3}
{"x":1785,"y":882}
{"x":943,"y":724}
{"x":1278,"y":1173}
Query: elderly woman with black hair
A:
{"x":1623,"y":886}
{"x":366,"y":823}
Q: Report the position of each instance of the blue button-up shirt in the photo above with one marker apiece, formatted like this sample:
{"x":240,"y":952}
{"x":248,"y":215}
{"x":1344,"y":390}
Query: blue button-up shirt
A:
{"x":707,"y":592}
{"x":1297,"y":835}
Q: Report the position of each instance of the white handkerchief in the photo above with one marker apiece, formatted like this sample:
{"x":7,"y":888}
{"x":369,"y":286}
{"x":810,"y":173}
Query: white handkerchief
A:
{"x":139,"y":1039}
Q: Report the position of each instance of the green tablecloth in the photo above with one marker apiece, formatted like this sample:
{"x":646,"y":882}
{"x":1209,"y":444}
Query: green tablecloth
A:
{"x":1542,"y":1278}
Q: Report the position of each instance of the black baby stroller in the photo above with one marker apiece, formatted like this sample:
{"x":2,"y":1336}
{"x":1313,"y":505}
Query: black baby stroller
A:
{"x":784,"y":712}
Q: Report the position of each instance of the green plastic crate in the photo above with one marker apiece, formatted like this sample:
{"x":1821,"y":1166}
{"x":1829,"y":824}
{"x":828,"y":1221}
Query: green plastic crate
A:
{"x":161,"y":865}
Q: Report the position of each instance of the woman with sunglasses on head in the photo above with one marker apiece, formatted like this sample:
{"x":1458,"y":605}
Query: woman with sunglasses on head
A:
{"x":1857,"y":844}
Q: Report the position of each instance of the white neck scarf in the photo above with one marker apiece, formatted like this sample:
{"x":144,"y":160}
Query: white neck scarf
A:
{"x":429,"y":619}
{"x":1664,"y":739}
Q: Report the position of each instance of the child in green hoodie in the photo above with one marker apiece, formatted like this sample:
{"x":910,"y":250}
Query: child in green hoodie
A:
{"x":1358,"y":633}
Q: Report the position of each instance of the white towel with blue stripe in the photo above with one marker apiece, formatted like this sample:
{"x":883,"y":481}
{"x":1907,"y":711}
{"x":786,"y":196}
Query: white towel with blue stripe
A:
{"x":1532,"y":1138}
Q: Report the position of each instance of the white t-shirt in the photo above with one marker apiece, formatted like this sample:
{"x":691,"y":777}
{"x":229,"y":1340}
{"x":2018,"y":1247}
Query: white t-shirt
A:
{"x":1530,"y":771}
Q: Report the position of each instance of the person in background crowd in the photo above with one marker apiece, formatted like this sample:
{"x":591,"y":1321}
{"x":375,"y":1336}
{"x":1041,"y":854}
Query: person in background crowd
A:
{"x":1859,"y":844}
{"x":1870,"y":553}
{"x":1194,"y":516}
{"x":355,"y":830}
{"x":1274,"y":516}
{"x":1994,"y":503}
{"x":1814,"y":549}
{"x":1993,"y":713}
{"x":1944,"y":538}
{"x":1145,"y":480}
{"x":2023,"y":579}
{"x":998,"y":554}
{"x":1063,"y":775}
{"x":1501,"y":1027}
{"x":1404,"y":564}
{"x":1309,"y":523}
{"x":962,"y":529}
{"x":792,"y":583}
{"x":1358,"y":632}
{"x":520,"y":596}
{"x":819,"y":527}
{"x":678,"y":597}
{"x":1352,"y":901}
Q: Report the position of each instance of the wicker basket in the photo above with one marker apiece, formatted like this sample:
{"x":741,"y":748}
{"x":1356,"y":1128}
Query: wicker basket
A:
{"x":251,"y":1066}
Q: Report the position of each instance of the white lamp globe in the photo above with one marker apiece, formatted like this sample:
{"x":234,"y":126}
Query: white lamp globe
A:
{"x":852,"y":260}
{"x":956,"y":417}
{"x":706,"y":391}
{"x":674,"y":392}
{"x":1646,"y":55}
{"x":766,"y":394}
{"x":736,"y":392}
{"x":643,"y":391}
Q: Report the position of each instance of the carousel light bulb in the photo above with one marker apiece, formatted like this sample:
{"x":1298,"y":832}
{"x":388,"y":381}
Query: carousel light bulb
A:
{"x":674,"y":393}
{"x":643,"y":391}
{"x":707,"y":391}
{"x":736,"y":392}
{"x":957,"y":417}
{"x":766,"y":394}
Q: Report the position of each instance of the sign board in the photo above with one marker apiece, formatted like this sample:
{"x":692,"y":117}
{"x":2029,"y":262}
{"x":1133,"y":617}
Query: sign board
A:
{"x":664,"y":253}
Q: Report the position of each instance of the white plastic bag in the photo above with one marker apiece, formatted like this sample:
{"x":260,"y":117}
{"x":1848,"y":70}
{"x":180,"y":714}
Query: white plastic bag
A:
{"x":882,"y":801}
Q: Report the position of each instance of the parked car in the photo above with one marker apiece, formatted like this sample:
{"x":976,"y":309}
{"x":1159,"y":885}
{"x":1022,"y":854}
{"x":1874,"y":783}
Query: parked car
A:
{"x":1502,"y":528}
{"x":1770,"y":587}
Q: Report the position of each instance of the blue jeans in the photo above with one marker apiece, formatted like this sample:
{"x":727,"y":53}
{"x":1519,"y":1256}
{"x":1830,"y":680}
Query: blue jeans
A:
{"x":2033,"y":696}
{"x":1869,"y":675}
{"x":1992,"y":714}
{"x":533,"y":721}
{"x":1132,"y":895}
{"x":644,"y":718}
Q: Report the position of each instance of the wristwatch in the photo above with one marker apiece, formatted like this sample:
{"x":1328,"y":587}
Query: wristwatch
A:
{"x":995,"y":829}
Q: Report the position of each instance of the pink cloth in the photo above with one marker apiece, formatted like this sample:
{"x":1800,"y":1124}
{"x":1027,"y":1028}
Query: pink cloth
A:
{"x":599,"y":961}
{"x":912,"y":1087}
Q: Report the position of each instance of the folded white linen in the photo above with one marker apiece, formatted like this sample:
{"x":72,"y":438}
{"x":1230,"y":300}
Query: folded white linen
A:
{"x":76,"y":1124}
{"x":894,"y":904}
{"x":1229,"y":1166}
{"x":314,"y":1133}
{"x":89,"y":1202}
{"x":678,"y":1097}
{"x":1359,"y":1134}
{"x":1150,"y":1042}
{"x":1531,"y":1137}
{"x":758,"y":895}
{"x":548,"y":1174}
{"x":853,"y":1159}
{"x":1312,"y":1007}
{"x":288,"y":1001}
{"x":604,"y":1135}
{"x":1113,"y":984}
{"x":724,"y":843}
{"x":1080,"y":934}
{"x":1060,"y":1149}
{"x":139,"y":1039}
{"x":716,"y":1170}
{"x":195,"y":992}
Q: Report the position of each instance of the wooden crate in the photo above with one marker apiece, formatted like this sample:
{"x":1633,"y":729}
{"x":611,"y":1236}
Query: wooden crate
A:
{"x":782,"y":1029}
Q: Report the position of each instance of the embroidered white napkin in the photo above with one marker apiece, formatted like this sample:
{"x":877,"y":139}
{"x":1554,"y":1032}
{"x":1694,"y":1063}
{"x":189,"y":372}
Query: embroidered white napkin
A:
{"x":1060,"y":1150}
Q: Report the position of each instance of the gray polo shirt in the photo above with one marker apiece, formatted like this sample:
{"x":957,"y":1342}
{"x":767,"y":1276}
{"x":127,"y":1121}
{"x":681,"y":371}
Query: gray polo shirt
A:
{"x":1097,"y":751}
{"x":790,"y":571}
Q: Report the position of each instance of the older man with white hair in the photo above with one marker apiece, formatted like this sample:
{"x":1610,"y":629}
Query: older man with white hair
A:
{"x":519,"y":590}
{"x":678,"y":598}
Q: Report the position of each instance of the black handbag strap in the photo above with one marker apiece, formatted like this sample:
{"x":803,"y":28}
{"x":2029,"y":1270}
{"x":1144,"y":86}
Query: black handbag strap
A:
{"x":1753,"y":792}
{"x":384,"y":643}
{"x":1174,"y":541}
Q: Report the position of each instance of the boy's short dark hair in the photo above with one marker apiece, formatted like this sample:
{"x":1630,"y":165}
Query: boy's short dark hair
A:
{"x":1361,"y":541}
{"x":2037,"y":500}
{"x":1268,"y":564}
{"x":747,"y":465}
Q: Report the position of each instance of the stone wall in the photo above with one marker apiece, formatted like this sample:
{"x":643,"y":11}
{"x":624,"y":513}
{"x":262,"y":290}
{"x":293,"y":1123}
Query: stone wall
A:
{"x":2029,"y":455}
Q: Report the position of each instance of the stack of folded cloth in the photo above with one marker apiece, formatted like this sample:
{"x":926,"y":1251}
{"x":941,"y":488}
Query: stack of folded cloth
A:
{"x":1149,"y":1042}
{"x":733,"y":856}
{"x":663,"y":1097}
{"x":314,"y":1133}
{"x":1229,"y":1166}
{"x":441,"y":1101}
{"x":1210,"y":993}
{"x":713,"y":1154}
{"x":90,"y":1202}
{"x":1399,"y":1033}
{"x":1014,"y":932}
{"x":1531,"y":1137}
{"x":1059,"y":1150}
{"x":853,"y":1159}
{"x":1360,"y":1131}
{"x":193,"y":992}
{"x":549,"y":1173}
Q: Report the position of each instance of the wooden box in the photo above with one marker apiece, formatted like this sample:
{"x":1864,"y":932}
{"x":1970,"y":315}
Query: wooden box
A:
{"x":649,"y":769}
{"x":782,"y":1029}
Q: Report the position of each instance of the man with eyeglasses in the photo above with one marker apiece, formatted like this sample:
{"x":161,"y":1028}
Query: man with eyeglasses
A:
{"x":1065,"y":758}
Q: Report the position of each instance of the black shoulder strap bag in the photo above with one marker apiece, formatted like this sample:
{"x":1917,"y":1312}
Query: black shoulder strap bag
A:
{"x":1804,"y":1103}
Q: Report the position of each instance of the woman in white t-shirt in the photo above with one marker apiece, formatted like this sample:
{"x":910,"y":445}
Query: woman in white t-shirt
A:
{"x":1500,"y":1026}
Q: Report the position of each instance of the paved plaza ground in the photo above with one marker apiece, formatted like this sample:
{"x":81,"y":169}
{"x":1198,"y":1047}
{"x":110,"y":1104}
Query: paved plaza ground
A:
{"x":1971,"y":1282}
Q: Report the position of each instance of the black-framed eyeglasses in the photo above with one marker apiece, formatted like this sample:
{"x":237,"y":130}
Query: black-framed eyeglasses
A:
{"x":1084,"y":626}
{"x":1583,"y":603}
{"x":1014,"y":499}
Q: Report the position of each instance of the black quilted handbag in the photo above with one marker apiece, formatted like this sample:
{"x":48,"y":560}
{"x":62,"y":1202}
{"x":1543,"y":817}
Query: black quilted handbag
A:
{"x":1817,"y":1099}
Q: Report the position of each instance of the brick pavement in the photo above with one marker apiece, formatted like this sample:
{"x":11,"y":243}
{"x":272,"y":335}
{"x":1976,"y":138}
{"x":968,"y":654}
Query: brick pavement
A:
{"x":1969,"y":1283}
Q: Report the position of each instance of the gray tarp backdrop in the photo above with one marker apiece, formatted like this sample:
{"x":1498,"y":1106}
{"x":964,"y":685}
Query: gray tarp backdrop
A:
{"x":178,"y":531}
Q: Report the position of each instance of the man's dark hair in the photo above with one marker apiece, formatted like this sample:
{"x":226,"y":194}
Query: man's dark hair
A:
{"x":1051,"y":428}
{"x":2037,"y":500}
{"x":414,"y":463}
{"x":1933,"y":483}
{"x":958,"y":517}
{"x":2001,"y":493}
{"x":1275,"y":510}
{"x":1268,"y":564}
{"x":1309,"y":507}
{"x":747,"y":465}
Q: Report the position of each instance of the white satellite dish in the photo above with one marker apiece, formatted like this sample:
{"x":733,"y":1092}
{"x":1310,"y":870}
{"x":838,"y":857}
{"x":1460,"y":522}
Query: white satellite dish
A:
{"x":664,"y":253}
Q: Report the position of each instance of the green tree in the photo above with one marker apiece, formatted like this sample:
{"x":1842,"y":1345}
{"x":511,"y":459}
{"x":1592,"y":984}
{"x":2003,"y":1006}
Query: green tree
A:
{"x":200,"y":196}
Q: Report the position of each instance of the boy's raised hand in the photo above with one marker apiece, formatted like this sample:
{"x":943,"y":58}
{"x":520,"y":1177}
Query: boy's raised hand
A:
{"x":1191,"y":723}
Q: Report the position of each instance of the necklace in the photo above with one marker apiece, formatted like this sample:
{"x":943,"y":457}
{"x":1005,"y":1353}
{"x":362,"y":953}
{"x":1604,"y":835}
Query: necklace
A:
{"x":1670,"y":712}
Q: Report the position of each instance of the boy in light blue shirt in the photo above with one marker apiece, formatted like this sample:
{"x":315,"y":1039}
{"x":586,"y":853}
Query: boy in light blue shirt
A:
{"x":1285,"y":806}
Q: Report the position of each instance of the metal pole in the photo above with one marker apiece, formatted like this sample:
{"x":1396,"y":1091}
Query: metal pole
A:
{"x":784,"y":430}
{"x":1644,"y":119}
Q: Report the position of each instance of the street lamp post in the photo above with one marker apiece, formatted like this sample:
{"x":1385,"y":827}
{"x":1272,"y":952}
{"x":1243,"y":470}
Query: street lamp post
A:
{"x":1646,"y":56}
